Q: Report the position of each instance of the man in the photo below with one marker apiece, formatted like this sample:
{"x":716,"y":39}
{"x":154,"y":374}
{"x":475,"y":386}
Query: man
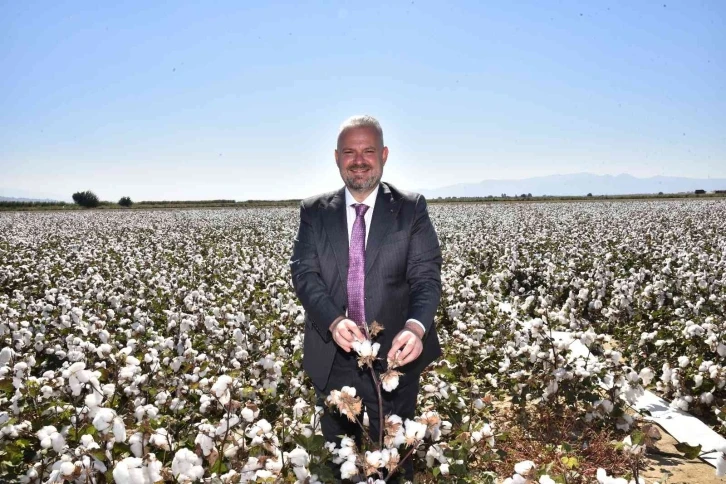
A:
{"x":367,"y":252}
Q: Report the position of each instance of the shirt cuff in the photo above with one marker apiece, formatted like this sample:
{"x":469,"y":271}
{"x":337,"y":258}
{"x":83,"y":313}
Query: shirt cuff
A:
{"x":423,"y":328}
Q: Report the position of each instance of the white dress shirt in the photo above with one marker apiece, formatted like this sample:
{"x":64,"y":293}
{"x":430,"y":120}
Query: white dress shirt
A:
{"x":370,"y":200}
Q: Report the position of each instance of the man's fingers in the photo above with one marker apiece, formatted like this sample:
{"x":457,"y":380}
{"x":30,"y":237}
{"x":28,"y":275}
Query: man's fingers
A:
{"x":346,"y":335}
{"x":410,"y":355}
{"x":342,"y":343}
{"x":353,"y":328}
{"x":411,"y":348}
{"x":406,"y":351}
{"x":397,"y":344}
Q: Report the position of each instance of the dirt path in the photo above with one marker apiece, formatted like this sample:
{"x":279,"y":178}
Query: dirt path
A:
{"x":682,"y":471}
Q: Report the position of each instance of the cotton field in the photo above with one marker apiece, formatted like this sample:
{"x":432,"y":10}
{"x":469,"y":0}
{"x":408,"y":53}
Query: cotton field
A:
{"x":146,"y":346}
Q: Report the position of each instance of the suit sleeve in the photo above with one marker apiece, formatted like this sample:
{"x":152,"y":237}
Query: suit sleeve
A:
{"x":309,"y":286}
{"x":423,"y":270}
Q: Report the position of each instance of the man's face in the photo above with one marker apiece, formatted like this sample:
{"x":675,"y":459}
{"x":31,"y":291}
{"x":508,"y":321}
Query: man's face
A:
{"x":360,"y":158}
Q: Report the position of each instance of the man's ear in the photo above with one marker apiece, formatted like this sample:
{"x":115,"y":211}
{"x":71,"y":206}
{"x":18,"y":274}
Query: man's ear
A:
{"x":384,"y":155}
{"x":335,"y":153}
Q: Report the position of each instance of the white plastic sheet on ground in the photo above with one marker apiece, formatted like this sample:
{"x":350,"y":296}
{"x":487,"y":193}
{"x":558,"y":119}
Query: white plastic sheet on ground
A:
{"x":683,"y":426}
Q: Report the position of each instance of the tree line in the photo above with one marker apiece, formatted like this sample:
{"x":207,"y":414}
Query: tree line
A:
{"x":88,"y":199}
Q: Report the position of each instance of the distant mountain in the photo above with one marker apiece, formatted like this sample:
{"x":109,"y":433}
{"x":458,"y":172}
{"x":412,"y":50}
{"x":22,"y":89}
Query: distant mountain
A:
{"x":578,"y":184}
{"x":8,"y":193}
{"x":16,"y":199}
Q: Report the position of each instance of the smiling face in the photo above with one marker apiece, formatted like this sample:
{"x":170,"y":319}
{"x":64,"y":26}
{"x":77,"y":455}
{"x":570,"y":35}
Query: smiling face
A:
{"x":360,"y":158}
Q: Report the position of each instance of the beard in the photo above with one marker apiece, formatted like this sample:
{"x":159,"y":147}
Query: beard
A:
{"x":359,"y":183}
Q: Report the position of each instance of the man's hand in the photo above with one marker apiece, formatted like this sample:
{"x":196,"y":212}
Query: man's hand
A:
{"x":345,"y":333}
{"x":408,"y":342}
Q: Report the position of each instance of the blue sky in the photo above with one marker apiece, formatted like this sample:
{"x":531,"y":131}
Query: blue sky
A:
{"x":242,"y":100}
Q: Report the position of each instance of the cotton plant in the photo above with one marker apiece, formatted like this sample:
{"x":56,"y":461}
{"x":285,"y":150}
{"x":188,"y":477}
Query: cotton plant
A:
{"x":525,"y":472}
{"x":400,"y":439}
{"x":179,"y":319}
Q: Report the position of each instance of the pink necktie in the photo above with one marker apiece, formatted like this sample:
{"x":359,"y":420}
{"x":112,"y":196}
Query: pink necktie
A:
{"x":356,"y":268}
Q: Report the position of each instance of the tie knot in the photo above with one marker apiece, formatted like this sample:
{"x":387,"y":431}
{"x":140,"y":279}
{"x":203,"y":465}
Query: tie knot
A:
{"x":360,"y":209}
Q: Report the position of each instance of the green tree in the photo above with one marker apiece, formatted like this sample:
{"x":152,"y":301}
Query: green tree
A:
{"x":86,"y":199}
{"x":125,"y":201}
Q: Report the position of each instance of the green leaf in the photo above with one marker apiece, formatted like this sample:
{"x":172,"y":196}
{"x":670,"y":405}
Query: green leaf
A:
{"x":219,"y":467}
{"x":317,"y":442}
{"x":301,"y":440}
{"x":457,"y":469}
{"x":637,"y":437}
{"x":688,"y":451}
{"x":6,"y":385}
{"x":324,"y":472}
{"x":22,"y":443}
{"x":123,"y":448}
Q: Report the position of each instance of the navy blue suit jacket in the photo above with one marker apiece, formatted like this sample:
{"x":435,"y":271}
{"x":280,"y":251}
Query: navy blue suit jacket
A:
{"x":402,"y":274}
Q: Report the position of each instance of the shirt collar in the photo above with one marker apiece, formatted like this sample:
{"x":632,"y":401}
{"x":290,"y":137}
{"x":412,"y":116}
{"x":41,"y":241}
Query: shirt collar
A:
{"x":370,"y":199}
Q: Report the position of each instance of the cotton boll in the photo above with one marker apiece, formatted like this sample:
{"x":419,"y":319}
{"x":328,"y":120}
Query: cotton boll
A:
{"x":44,"y":435}
{"x":697,"y":380}
{"x":247,"y":414}
{"x":93,"y":399}
{"x":220,"y":388}
{"x":706,"y":398}
{"x":515,"y":479}
{"x":414,"y":431}
{"x":429,"y":388}
{"x":523,"y":467}
{"x":136,"y":444}
{"x":67,"y":468}
{"x":348,"y":469}
{"x":187,"y":465}
{"x":264,"y":425}
{"x":203,"y":438}
{"x":226,"y":424}
{"x":274,"y":465}
{"x":390,"y":380}
{"x":153,"y":470}
{"x":119,"y":430}
{"x":299,"y":408}
{"x":103,"y":421}
{"x":161,"y":439}
{"x":679,"y":403}
{"x":607,"y":406}
{"x":6,"y":354}
{"x":298,"y":457}
{"x":58,"y":442}
{"x":129,"y":471}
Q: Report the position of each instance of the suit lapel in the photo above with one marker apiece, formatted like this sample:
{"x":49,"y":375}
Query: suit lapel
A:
{"x":335,"y":223}
{"x":384,"y":214}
